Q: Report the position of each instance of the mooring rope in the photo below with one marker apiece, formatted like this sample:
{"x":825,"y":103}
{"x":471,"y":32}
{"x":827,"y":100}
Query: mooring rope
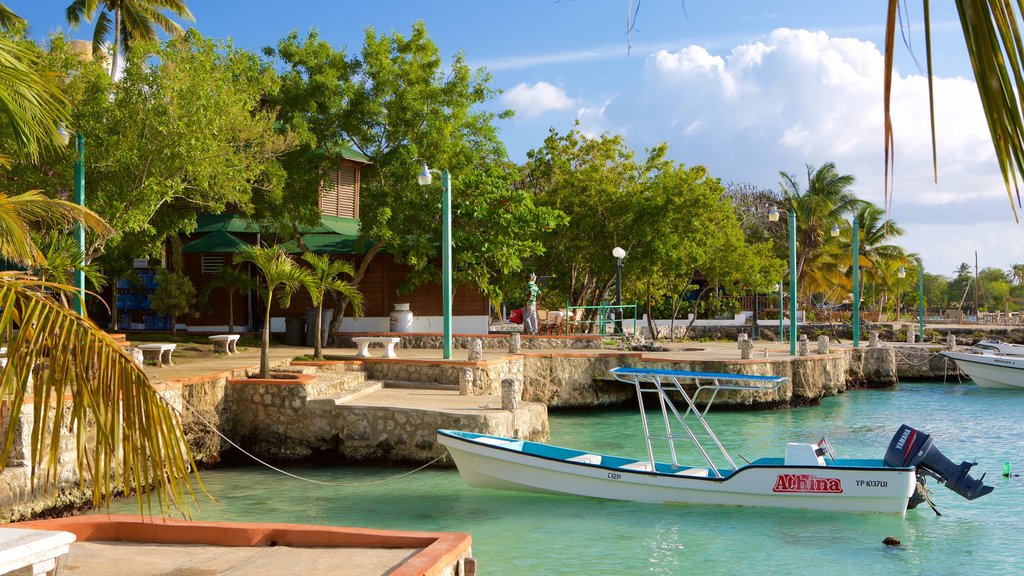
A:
{"x":275,"y":468}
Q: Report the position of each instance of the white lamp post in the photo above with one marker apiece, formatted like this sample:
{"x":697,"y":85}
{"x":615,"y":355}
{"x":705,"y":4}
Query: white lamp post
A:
{"x":619,"y":254}
{"x":773,"y":216}
{"x":425,"y":178}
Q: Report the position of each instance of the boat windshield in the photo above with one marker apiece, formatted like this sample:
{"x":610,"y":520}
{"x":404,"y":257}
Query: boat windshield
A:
{"x":659,"y":382}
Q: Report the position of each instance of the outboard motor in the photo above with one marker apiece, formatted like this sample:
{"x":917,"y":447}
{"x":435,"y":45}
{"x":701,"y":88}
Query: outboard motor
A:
{"x":910,"y":447}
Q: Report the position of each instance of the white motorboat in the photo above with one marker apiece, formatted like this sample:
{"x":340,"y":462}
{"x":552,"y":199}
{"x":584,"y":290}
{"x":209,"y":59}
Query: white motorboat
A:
{"x":1000,"y":347}
{"x":803,"y":478}
{"x":990,"y":370}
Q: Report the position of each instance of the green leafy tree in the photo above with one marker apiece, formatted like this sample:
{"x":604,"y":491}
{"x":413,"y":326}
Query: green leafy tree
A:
{"x":133,"y":21}
{"x":325,"y":277}
{"x":280,"y":274}
{"x":231,"y":280}
{"x":182,"y":132}
{"x":396,"y":104}
{"x":595,"y":181}
{"x":138,"y":440}
{"x":175,"y":296}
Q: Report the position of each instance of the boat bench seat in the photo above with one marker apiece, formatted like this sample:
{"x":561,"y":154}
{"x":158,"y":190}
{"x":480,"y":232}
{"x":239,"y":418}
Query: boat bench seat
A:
{"x":640,"y":465}
{"x":696,"y":472}
{"x":586,"y":459}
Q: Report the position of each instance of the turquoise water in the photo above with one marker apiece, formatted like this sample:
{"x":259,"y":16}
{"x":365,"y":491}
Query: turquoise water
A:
{"x":537,"y":534}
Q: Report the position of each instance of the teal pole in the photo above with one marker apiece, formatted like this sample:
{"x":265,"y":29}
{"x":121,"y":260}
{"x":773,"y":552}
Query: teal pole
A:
{"x":792,"y":282}
{"x":446,"y":262}
{"x":920,"y":300}
{"x":79,"y":199}
{"x":856,"y":284}
{"x":782,"y":332}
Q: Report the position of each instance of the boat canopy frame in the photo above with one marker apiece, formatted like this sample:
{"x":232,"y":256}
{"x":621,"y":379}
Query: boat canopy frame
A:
{"x":660,"y":382}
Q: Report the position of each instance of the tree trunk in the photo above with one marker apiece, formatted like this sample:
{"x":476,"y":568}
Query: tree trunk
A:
{"x":117,"y":42}
{"x":696,"y":302}
{"x":231,"y":312}
{"x":265,"y":346}
{"x":340,"y":304}
{"x":318,"y":351}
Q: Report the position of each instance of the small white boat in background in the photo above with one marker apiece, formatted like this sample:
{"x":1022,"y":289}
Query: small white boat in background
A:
{"x":1000,"y":347}
{"x":990,"y":370}
{"x":802,"y":479}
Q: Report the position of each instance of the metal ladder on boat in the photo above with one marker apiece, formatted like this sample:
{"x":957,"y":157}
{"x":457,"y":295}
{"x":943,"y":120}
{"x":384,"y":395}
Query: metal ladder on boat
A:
{"x":661,"y":382}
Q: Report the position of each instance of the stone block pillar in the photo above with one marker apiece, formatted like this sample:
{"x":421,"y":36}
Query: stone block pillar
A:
{"x":476,"y":350}
{"x":515,"y":343}
{"x":822,"y":344}
{"x":873,"y":339}
{"x":746,"y":347}
{"x":465,"y":382}
{"x":911,"y":335}
{"x":509,"y":394}
{"x":950,"y":341}
{"x":741,"y":339}
{"x":802,"y":346}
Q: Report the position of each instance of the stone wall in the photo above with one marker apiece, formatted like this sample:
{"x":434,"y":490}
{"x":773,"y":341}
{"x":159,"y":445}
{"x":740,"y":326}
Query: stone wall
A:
{"x":487,"y":375}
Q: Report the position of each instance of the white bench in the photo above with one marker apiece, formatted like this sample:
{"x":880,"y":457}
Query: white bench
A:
{"x":157,"y":354}
{"x":226,"y":343}
{"x":32,"y":551}
{"x":363,"y":342}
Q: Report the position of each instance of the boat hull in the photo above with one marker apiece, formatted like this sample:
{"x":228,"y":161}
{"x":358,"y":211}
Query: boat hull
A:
{"x":990,"y":371}
{"x":831,"y":488}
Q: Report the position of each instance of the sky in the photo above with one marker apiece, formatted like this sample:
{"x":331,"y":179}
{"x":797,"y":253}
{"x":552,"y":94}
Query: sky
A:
{"x":748,"y":88}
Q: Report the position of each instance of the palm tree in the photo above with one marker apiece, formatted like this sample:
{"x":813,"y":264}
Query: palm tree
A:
{"x":279,"y":271}
{"x":81,"y":379}
{"x":964,"y":269}
{"x":1017,"y":273}
{"x":231,"y":280}
{"x":876,"y":234}
{"x":826,"y":202}
{"x":325,"y":278}
{"x":133,"y":20}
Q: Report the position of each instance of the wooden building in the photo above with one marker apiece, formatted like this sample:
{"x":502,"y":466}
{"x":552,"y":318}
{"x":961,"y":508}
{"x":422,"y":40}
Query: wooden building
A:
{"x":217,"y":237}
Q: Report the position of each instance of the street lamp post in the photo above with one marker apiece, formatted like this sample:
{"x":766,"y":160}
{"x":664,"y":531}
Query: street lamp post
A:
{"x":920,"y":300}
{"x":856,"y":284}
{"x":619,"y":254}
{"x":79,"y":199}
{"x":782,"y":333}
{"x":856,"y":279}
{"x":773,"y":216}
{"x":425,"y":178}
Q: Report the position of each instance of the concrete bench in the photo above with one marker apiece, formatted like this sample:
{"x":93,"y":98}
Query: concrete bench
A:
{"x":363,"y":342}
{"x":226,"y":343}
{"x":157,"y":354}
{"x":32,"y":551}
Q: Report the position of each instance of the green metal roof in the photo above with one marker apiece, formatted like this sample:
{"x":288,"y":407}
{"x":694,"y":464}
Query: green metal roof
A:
{"x":216,"y":241}
{"x":346,"y":152}
{"x":334,"y":235}
{"x":226,"y":223}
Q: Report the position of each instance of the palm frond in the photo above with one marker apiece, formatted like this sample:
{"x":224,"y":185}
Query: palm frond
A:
{"x":9,"y":20}
{"x":31,"y":101}
{"x":992,"y":33}
{"x":127,"y":436}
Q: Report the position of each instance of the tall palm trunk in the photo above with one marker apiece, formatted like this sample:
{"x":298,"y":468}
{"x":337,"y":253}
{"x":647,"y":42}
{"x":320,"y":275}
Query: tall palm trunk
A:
{"x":318,"y":350}
{"x":115,"y":49}
{"x":265,"y":348}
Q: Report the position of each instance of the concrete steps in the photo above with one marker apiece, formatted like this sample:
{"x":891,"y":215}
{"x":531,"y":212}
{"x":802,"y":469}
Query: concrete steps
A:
{"x":418,"y":385}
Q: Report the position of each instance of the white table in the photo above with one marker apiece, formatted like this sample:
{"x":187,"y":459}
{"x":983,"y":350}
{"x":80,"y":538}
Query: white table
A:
{"x":35,"y":552}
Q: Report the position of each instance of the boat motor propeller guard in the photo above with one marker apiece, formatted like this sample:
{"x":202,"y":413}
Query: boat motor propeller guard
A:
{"x":910,"y":447}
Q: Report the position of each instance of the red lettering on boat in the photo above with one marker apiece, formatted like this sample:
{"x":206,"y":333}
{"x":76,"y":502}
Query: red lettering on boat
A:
{"x":807,"y":483}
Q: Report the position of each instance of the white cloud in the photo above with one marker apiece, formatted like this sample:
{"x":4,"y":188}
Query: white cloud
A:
{"x":796,"y":98}
{"x":530,"y":101}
